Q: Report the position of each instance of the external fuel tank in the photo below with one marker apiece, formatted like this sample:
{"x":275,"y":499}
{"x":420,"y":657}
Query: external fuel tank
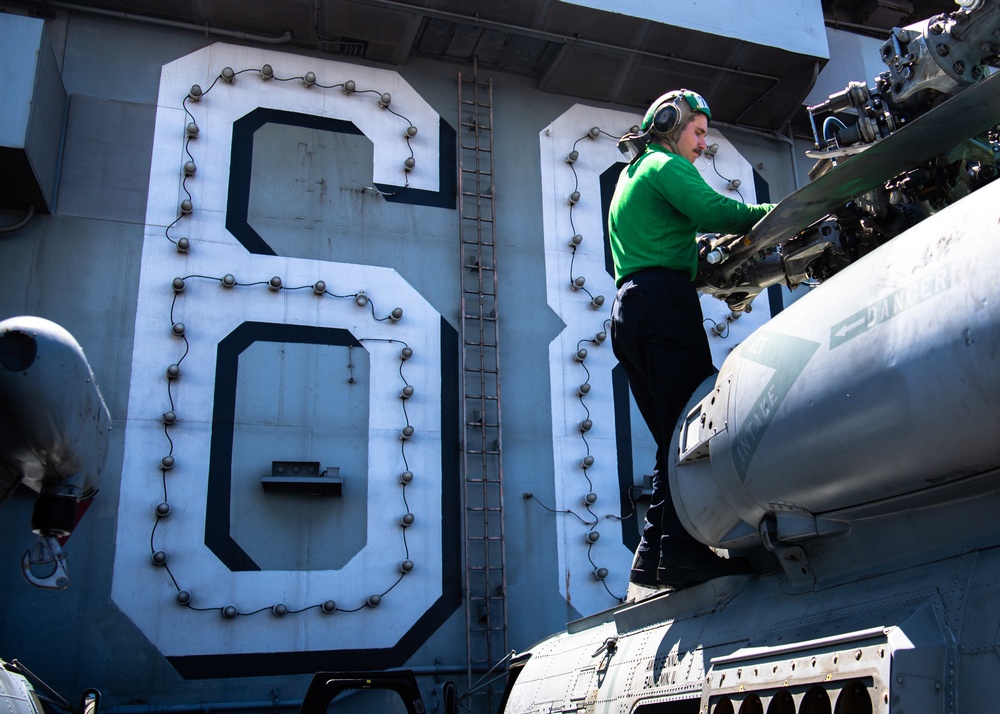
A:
{"x":872,"y":394}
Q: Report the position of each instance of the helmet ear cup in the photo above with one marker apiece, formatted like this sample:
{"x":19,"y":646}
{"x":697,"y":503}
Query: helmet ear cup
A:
{"x":666,"y":119}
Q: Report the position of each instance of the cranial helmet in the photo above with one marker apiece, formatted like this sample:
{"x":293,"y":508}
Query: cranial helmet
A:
{"x":665,"y":118}
{"x":669,"y":114}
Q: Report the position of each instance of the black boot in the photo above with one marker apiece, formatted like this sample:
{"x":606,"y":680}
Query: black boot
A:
{"x":644,"y":567}
{"x":685,"y":562}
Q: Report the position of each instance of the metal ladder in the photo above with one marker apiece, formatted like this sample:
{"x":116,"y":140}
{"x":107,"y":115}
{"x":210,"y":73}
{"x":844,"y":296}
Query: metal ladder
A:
{"x":485,"y":560}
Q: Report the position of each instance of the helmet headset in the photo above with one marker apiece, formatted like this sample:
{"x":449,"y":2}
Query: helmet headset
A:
{"x":666,"y":119}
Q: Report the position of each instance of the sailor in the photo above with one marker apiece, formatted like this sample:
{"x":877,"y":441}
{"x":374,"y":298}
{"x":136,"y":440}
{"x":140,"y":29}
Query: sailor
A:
{"x":660,"y":203}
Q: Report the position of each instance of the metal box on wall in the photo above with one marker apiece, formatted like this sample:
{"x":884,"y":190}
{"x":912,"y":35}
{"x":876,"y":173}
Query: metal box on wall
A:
{"x":32,"y":115}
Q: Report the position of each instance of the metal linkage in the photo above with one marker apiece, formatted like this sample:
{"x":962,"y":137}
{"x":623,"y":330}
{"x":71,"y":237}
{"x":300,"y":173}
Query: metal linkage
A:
{"x":485,"y":575}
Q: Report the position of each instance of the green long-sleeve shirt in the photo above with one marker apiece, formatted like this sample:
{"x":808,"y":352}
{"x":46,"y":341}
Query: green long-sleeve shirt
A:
{"x":661,"y":202}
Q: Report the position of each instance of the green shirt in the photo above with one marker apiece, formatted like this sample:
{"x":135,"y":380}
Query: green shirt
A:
{"x":661,"y":202}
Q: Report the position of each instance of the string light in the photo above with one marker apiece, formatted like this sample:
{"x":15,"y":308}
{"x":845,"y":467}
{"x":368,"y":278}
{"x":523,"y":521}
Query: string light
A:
{"x":266,"y":72}
{"x":595,"y":302}
{"x":179,"y":286}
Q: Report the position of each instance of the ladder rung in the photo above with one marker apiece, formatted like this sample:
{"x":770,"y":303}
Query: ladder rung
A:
{"x":484,"y":556}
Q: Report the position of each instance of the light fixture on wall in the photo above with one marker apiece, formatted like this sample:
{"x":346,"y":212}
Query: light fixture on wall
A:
{"x":275,"y":284}
{"x":596,"y":302}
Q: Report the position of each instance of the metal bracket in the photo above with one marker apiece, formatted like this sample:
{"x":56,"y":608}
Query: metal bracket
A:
{"x":46,"y":553}
{"x":794,"y":561}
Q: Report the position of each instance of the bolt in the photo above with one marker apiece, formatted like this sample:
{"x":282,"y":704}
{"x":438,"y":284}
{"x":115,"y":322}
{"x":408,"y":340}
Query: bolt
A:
{"x":959,"y":67}
{"x":943,"y":50}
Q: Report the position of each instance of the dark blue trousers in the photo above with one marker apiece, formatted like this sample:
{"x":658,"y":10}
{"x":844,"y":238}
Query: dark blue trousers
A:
{"x":658,"y":336}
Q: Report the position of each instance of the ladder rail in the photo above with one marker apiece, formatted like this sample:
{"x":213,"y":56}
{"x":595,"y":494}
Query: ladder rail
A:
{"x":484,"y":547}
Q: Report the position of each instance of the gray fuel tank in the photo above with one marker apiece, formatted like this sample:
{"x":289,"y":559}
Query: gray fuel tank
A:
{"x":881,"y":384}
